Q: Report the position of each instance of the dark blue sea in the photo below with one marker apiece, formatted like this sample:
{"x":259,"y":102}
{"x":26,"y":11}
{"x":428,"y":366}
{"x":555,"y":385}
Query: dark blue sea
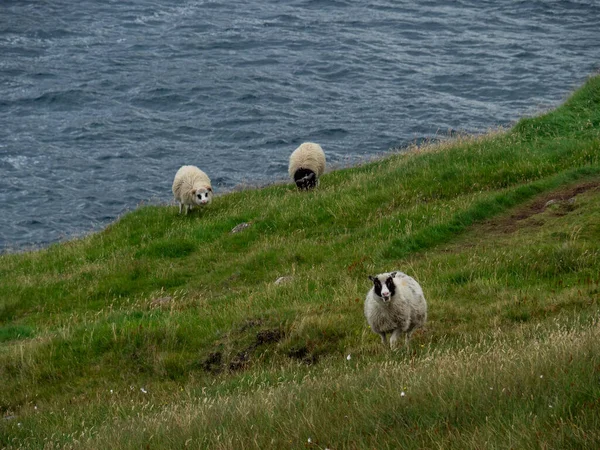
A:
{"x":102,"y":101}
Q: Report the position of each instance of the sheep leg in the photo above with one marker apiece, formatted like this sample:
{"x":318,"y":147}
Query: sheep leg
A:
{"x":187,"y":208}
{"x":383,"y":338}
{"x":180,"y":207}
{"x":394,"y":338}
{"x":409,"y":335}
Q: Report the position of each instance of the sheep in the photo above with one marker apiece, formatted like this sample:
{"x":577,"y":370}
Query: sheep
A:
{"x":191,"y":187}
{"x":395,"y":304}
{"x":307,"y":164}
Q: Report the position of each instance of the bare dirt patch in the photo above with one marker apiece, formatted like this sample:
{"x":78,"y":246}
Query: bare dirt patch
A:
{"x":241,"y":360}
{"x":219,"y":360}
{"x":303,"y":354}
{"x":564,"y":197}
{"x":212,"y":363}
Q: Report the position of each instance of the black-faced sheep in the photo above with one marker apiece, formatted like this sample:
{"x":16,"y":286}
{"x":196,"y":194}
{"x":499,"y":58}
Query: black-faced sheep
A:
{"x":395,"y":304}
{"x":307,"y":164}
{"x":191,"y":187}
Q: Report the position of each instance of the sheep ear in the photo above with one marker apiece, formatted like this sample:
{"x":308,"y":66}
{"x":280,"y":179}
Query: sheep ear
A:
{"x":193,"y":191}
{"x":371,"y":278}
{"x":208,"y":188}
{"x":393,"y":274}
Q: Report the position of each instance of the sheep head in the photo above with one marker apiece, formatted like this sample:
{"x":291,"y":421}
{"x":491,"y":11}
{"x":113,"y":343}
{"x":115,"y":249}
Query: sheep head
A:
{"x":383,"y":286}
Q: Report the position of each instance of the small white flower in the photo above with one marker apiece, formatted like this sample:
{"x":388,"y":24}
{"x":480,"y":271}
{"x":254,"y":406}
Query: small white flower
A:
{"x":19,"y":424}
{"x":402,"y":394}
{"x":549,"y":406}
{"x":35,"y":407}
{"x":309,"y":440}
{"x":541,"y":376}
{"x":111,"y":391}
{"x":144,"y":390}
{"x":348,"y":357}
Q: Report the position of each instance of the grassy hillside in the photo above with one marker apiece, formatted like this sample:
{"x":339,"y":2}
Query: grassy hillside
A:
{"x":165,"y":331}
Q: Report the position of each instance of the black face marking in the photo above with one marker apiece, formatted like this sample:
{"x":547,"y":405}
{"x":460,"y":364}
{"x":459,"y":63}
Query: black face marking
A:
{"x":376,"y":285}
{"x":391,"y":286}
{"x":201,"y":195}
{"x":305,"y":178}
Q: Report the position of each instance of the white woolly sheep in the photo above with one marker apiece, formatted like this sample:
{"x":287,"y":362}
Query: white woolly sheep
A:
{"x":191,"y":187}
{"x":307,"y":164}
{"x":395,"y":304}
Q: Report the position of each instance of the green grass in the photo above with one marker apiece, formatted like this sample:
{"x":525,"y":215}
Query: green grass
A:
{"x":163,"y":331}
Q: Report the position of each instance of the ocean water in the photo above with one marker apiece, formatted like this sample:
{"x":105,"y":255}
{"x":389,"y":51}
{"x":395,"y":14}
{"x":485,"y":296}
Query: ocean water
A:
{"x":101,"y":102}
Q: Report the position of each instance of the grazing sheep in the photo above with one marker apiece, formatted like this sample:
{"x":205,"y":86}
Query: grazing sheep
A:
{"x":191,"y":187}
{"x":307,"y":164}
{"x":395,"y":304}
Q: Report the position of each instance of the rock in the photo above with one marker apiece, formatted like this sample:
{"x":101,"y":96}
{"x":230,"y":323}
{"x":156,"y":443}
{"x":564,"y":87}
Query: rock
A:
{"x":282,"y":280}
{"x":240,"y":227}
